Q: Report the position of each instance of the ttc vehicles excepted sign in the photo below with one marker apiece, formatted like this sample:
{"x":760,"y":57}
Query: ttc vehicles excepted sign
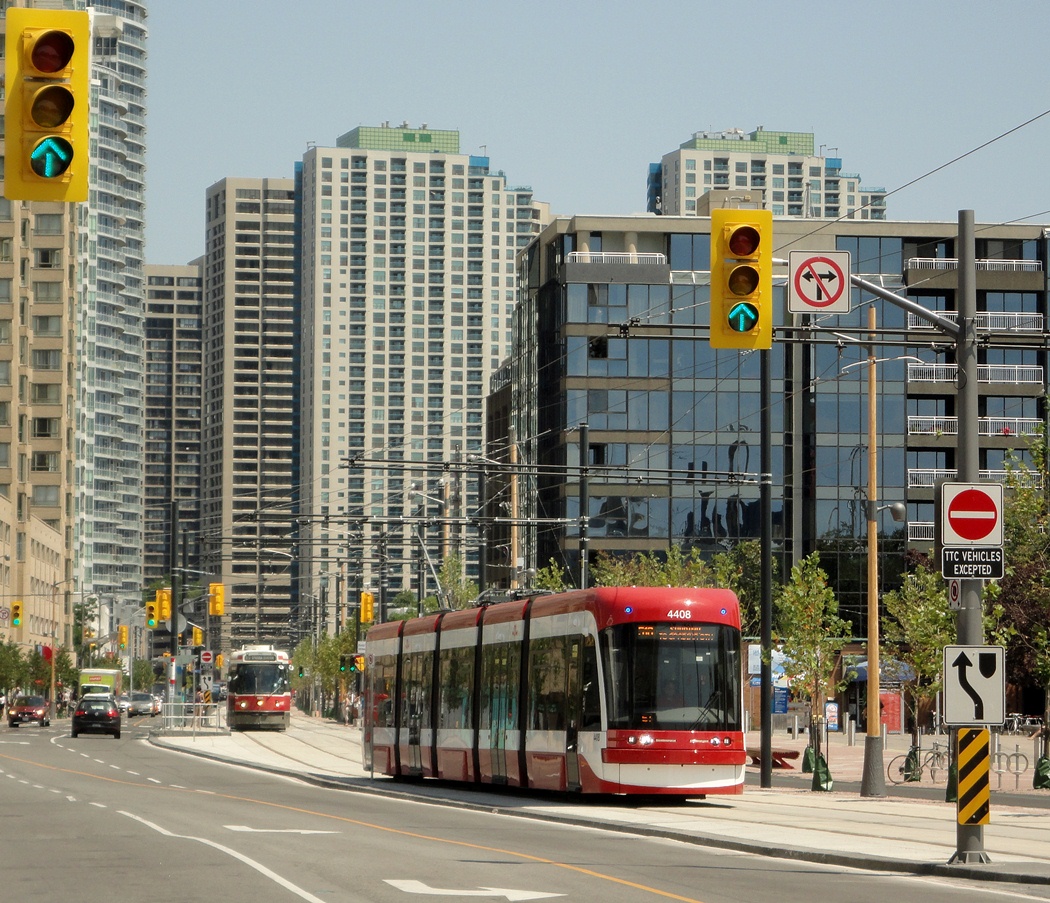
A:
{"x":971,"y":530}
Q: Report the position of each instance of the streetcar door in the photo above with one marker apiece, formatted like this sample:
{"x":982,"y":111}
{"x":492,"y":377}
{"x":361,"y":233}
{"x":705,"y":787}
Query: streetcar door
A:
{"x":574,"y":704}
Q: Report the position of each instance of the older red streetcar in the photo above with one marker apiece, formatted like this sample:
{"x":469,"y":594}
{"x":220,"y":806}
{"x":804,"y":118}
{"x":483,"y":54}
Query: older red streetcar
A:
{"x":615,"y":690}
{"x":259,"y":693}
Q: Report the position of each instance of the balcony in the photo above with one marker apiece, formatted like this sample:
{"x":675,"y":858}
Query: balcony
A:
{"x":651,"y":258}
{"x":986,"y":426}
{"x":1011,"y":374}
{"x":927,"y":477}
{"x":936,"y":273}
{"x":920,"y":531}
{"x":987,"y":321}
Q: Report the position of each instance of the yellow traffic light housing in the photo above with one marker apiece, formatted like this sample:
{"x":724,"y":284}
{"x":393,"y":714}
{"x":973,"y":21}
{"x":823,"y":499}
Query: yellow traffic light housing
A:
{"x":47,"y":105}
{"x":216,"y":599}
{"x":198,"y":636}
{"x":164,"y":603}
{"x":152,"y":615}
{"x":122,"y":636}
{"x":359,"y":664}
{"x":367,"y":607}
{"x":741,"y":279}
{"x":16,"y":614}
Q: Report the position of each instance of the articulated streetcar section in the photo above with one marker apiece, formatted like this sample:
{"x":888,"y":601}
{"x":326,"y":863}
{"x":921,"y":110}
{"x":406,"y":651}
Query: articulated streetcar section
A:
{"x":609,"y":690}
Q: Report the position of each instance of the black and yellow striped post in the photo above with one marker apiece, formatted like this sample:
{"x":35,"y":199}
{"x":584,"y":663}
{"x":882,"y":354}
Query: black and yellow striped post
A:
{"x":973,"y":755}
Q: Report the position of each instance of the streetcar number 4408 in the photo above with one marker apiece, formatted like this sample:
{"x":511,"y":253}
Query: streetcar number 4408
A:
{"x":684,"y":613}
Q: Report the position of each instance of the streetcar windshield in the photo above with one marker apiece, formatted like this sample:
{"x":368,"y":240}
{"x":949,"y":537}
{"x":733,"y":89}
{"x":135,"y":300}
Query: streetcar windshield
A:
{"x":258,"y":679}
{"x":672,"y":676}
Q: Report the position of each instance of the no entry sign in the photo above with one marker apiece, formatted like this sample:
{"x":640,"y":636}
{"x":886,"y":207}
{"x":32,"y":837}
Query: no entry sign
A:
{"x":972,"y":514}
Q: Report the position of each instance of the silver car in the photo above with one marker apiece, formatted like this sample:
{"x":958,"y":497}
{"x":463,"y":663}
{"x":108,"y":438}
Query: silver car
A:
{"x":141,"y":704}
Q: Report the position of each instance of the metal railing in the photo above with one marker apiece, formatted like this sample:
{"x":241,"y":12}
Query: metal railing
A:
{"x":988,"y":265}
{"x":189,"y":717}
{"x":927,"y":477}
{"x":986,"y":426}
{"x":1015,"y":374}
{"x":648,"y":257}
{"x":986,"y":321}
{"x":920,"y":531}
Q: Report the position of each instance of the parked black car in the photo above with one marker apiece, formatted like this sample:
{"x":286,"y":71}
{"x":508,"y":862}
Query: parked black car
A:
{"x":28,"y":708}
{"x":97,"y":712}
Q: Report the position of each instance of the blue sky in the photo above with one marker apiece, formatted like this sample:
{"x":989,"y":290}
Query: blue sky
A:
{"x":577,"y":98}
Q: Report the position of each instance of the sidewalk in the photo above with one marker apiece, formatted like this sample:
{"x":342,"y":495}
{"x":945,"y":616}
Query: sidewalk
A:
{"x":891,"y":833}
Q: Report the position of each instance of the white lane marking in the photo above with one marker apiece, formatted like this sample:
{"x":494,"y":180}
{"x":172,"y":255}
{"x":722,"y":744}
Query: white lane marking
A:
{"x":72,"y":799}
{"x":245,"y":828}
{"x":153,"y":780}
{"x":251,"y":863}
{"x":418,"y":887}
{"x":99,"y":805}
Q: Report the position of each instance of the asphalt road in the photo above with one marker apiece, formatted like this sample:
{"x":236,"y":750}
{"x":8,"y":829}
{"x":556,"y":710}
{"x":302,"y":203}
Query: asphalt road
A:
{"x":94,"y":820}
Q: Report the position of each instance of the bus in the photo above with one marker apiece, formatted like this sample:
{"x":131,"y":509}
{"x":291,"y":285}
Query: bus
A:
{"x":612,"y":690}
{"x":259,"y":694}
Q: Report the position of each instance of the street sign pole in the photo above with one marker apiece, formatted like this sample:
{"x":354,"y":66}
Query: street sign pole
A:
{"x":969,"y":838}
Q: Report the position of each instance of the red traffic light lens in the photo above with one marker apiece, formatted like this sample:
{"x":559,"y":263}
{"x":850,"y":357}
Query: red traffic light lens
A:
{"x":744,"y":241}
{"x":52,"y":52}
{"x":742,"y":280}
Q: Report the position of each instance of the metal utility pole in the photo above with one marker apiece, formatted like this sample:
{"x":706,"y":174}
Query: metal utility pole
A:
{"x":969,"y":626}
{"x":585,"y":505}
{"x":766,"y":547}
{"x":873,"y":780}
{"x":969,"y":843}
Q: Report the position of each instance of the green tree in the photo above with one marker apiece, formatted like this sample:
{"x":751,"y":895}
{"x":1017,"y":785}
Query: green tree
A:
{"x":740,"y":569}
{"x":553,"y":577}
{"x":810,"y":631}
{"x":671,"y":568}
{"x":917,"y":626}
{"x":459,"y":590}
{"x":1018,"y":606}
{"x":142,"y":676}
{"x":11,"y":665}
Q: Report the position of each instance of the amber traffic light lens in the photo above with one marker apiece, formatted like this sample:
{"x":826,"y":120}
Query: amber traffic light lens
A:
{"x":744,"y":241}
{"x":743,"y":280}
{"x":52,"y":106}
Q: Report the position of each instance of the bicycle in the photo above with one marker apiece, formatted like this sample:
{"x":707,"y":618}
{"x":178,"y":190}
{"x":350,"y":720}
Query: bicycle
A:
{"x":912,"y":765}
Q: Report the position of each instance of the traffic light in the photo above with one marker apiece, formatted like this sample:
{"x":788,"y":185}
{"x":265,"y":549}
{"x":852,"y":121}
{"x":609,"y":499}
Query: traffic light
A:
{"x":344,"y":661}
{"x":16,"y":614}
{"x":741,"y":279}
{"x":216,"y":599}
{"x":198,"y":636}
{"x":367,"y":607}
{"x":218,"y":661}
{"x":359,"y":664}
{"x":152,"y":615}
{"x":48,"y":105}
{"x":164,"y":601}
{"x":301,"y":670}
{"x":122,"y":636}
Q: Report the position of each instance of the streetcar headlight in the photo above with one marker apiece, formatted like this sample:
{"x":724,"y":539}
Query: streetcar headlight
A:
{"x":244,"y":704}
{"x":726,"y":741}
{"x":641,"y":740}
{"x":715,"y":741}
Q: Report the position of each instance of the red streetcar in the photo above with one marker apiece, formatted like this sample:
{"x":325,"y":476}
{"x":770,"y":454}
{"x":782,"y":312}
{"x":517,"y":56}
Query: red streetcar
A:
{"x":259,"y":693}
{"x":617,"y":690}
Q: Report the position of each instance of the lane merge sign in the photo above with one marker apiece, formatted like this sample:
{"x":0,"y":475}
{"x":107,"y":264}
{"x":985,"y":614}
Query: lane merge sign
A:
{"x":819,"y":282}
{"x":974,"y":685}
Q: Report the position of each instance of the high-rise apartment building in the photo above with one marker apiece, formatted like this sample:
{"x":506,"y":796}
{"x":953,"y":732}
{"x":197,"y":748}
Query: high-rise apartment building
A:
{"x":39,"y":288}
{"x":250,"y":328}
{"x":781,"y":170}
{"x":173,"y":417}
{"x":408,"y":290}
{"x":109,"y":262}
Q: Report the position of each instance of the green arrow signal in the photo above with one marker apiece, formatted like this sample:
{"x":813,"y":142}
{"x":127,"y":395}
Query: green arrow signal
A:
{"x":743,"y":317}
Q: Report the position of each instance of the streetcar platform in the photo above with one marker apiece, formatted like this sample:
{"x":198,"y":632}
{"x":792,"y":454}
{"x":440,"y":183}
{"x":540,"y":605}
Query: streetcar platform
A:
{"x":912,"y":829}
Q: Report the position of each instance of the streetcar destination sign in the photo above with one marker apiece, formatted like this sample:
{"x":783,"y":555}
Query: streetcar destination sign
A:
{"x":972,"y":562}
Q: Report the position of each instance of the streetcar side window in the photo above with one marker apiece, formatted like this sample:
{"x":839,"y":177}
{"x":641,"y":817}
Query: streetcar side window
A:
{"x":548,"y":674}
{"x":384,"y":675}
{"x":591,"y":716}
{"x":457,"y":687}
{"x":500,"y":671}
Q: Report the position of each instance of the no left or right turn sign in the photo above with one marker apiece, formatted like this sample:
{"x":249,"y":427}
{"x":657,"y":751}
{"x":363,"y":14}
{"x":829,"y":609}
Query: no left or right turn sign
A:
{"x":818,"y":282}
